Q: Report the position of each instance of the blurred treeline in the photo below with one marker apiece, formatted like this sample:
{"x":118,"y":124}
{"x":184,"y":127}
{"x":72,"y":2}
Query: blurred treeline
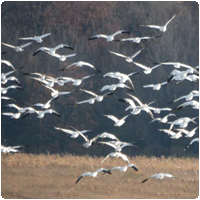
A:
{"x":73,"y":23}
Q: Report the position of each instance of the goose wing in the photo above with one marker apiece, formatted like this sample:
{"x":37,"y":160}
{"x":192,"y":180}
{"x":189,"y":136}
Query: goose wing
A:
{"x":112,"y":117}
{"x":25,"y":45}
{"x":118,"y":54}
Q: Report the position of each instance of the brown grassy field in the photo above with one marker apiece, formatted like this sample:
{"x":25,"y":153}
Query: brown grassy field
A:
{"x":54,"y":176}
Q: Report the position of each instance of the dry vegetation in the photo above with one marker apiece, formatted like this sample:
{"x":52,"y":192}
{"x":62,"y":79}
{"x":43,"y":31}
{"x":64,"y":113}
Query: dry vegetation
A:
{"x":54,"y":176}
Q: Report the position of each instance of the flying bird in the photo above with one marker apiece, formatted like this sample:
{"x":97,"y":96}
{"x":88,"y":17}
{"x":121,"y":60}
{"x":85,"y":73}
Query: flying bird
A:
{"x":18,"y":48}
{"x":13,"y":149}
{"x":127,"y":58}
{"x":4,"y":90}
{"x":93,"y":174}
{"x":52,"y":50}
{"x":138,"y":39}
{"x":109,"y":38}
{"x":161,"y":28}
{"x":159,"y":176}
{"x":164,"y":119}
{"x":124,"y":168}
{"x":38,"y":39}
{"x":155,"y":86}
{"x":172,"y":133}
{"x":113,"y":87}
{"x":6,"y":62}
{"x":117,"y":155}
{"x":188,"y":133}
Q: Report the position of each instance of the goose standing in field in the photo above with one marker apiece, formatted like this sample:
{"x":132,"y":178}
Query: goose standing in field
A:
{"x":138,"y":39}
{"x":155,"y":86}
{"x":117,"y":155}
{"x":188,"y":97}
{"x":127,"y":58}
{"x":4,"y":90}
{"x":164,"y":119}
{"x":188,"y":133}
{"x":38,"y":39}
{"x":9,"y":149}
{"x":182,"y":122}
{"x":93,"y":174}
{"x":193,"y":103}
{"x":124,"y":168}
{"x":73,"y":133}
{"x":95,"y":98}
{"x":18,"y":48}
{"x":147,"y":70}
{"x":81,"y":64}
{"x":117,"y":145}
{"x":160,"y":28}
{"x":6,"y":62}
{"x":52,"y":50}
{"x":109,"y":38}
{"x":113,"y":87}
{"x":121,"y":77}
{"x":118,"y":122}
{"x":159,"y":176}
{"x":172,"y":133}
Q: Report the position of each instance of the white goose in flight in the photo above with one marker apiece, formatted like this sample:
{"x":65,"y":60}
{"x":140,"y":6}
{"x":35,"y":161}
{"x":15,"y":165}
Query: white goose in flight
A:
{"x":117,"y":155}
{"x":18,"y":48}
{"x":159,"y":176}
{"x":172,"y":133}
{"x":188,"y":133}
{"x":38,"y":39}
{"x":188,"y":97}
{"x":93,"y":174}
{"x":182,"y":122}
{"x":55,"y":93}
{"x":41,"y":113}
{"x":63,"y":57}
{"x":145,"y":107}
{"x":127,"y":58}
{"x":118,"y":122}
{"x":45,"y":105}
{"x":194,"y":140}
{"x":113,"y":87}
{"x":164,"y":119}
{"x":73,"y":133}
{"x":6,"y":62}
{"x":4,"y":75}
{"x":193,"y":103}
{"x":147,"y":70}
{"x":12,"y":115}
{"x":109,"y":38}
{"x":80,"y":64}
{"x":138,"y":39}
{"x":9,"y":149}
{"x":161,"y":28}
{"x":20,"y":109}
{"x":4,"y":90}
{"x":95,"y":98}
{"x":124,"y":168}
{"x":52,"y":50}
{"x":155,"y":86}
{"x":121,"y":77}
{"x":62,"y":80}
{"x":117,"y":145}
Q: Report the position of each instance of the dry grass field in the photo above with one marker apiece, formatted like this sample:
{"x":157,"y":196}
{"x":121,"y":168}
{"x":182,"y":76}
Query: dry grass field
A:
{"x":54,"y":176}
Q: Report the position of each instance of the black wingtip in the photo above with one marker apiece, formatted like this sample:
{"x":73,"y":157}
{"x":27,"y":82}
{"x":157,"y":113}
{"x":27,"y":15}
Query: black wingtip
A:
{"x":144,"y":180}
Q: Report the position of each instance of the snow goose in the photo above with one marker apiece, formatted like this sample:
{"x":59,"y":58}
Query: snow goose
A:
{"x":109,"y":38}
{"x":6,"y":62}
{"x":127,"y":58}
{"x":161,"y":28}
{"x":52,"y":50}
{"x":172,"y":133}
{"x":118,"y":122}
{"x":188,"y":133}
{"x":117,"y":155}
{"x":18,"y":48}
{"x":159,"y":176}
{"x":164,"y":119}
{"x":124,"y":168}
{"x":4,"y":90}
{"x":93,"y":174}
{"x":155,"y":86}
{"x":38,"y":39}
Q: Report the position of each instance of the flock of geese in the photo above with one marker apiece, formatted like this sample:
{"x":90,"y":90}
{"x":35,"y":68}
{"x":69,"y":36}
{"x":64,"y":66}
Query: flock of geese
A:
{"x":180,"y":73}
